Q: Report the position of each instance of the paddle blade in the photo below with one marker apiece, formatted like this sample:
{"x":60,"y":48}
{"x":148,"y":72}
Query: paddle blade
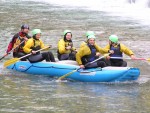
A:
{"x":11,"y":61}
{"x":148,"y":59}
{"x":68,"y":74}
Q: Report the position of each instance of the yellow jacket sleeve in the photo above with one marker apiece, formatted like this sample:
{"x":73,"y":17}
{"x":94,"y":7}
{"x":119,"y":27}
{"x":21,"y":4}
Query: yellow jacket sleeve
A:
{"x":61,"y":46}
{"x":83,"y":44}
{"x":42,"y":44}
{"x":126,"y":50}
{"x":83,"y":51}
{"x":28,"y":45}
{"x":107,"y":47}
{"x":101,"y":50}
{"x":123,"y":49}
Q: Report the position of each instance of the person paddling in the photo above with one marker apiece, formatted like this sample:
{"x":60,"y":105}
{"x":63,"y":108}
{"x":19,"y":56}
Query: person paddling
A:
{"x":90,"y":52}
{"x":118,"y":49}
{"x":84,"y":43}
{"x":34,"y":44}
{"x":66,"y":51}
{"x":18,"y":41}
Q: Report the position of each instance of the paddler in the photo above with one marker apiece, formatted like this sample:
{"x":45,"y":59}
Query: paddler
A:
{"x":66,"y":50}
{"x":18,"y":41}
{"x":34,"y":44}
{"x":89,"y":52}
{"x":116,"y":59}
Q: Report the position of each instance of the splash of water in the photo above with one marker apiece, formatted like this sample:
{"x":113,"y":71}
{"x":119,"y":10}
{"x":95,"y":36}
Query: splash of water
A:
{"x":123,"y":8}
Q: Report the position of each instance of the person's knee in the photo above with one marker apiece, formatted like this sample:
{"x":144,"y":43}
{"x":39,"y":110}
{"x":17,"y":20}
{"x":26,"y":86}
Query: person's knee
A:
{"x":50,"y":53}
{"x":51,"y":56}
{"x":64,"y":57}
{"x":124,"y":64}
{"x":101,"y":64}
{"x":72,"y":56}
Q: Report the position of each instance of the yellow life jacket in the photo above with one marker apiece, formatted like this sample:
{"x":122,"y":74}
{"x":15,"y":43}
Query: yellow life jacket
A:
{"x":17,"y":47}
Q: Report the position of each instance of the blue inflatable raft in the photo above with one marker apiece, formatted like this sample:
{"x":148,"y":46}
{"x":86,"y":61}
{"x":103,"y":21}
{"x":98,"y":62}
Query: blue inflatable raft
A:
{"x":58,"y":69}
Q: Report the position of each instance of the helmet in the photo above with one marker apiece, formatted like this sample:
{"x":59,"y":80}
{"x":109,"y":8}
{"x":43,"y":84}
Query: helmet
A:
{"x":91,"y":36}
{"x":36,"y":31}
{"x":113,"y":38}
{"x":89,"y":33}
{"x":67,"y":31}
{"x":24,"y":26}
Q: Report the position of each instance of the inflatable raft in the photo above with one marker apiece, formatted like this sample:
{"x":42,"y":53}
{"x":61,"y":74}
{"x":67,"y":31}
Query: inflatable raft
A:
{"x":58,"y":69}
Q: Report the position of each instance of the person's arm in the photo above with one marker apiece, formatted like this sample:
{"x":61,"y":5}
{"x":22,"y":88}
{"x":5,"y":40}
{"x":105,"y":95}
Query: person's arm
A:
{"x":79,"y":56}
{"x":43,"y":46}
{"x":83,"y":44}
{"x":102,"y":50}
{"x":11,"y":43}
{"x":126,"y":50}
{"x":27,"y":46}
{"x":61,"y":46}
{"x":107,"y":50}
{"x":10,"y":46}
{"x":81,"y":53}
{"x":74,"y":49}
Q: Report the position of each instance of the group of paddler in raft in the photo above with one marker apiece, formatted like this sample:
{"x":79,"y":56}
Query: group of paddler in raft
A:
{"x":22,"y":44}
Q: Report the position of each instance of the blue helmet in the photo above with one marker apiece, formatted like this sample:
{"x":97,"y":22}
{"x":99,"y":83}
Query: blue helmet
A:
{"x":24,"y":26}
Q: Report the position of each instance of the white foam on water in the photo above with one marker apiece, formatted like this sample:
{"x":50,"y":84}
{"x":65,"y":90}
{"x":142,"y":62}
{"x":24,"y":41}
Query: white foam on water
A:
{"x":143,"y":79}
{"x":132,"y":9}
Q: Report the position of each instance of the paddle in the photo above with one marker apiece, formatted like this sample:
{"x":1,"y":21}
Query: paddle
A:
{"x":3,"y":56}
{"x":68,"y":74}
{"x":147,"y":59}
{"x":13,"y":60}
{"x":11,"y":50}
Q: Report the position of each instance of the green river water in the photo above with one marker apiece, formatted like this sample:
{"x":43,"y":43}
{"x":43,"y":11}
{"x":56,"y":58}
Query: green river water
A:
{"x":22,"y":93}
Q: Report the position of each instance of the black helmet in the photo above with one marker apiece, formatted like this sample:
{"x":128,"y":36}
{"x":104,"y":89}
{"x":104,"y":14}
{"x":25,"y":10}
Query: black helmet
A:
{"x":24,"y":26}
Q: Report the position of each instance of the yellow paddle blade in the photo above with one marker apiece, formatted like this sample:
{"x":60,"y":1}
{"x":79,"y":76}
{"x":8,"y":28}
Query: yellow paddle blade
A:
{"x":62,"y":77}
{"x":148,"y":59}
{"x":11,"y":61}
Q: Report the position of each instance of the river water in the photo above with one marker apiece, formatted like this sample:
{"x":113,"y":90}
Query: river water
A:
{"x":22,"y":93}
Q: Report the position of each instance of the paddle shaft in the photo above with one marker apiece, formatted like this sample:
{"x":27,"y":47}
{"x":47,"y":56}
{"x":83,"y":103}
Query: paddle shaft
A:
{"x":3,"y":56}
{"x":13,"y":60}
{"x":35,"y":51}
{"x":128,"y":58}
{"x":94,"y":61}
{"x":68,"y":74}
{"x":11,"y":50}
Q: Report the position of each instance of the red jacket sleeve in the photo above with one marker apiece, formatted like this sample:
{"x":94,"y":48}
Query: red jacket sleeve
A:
{"x":11,"y":43}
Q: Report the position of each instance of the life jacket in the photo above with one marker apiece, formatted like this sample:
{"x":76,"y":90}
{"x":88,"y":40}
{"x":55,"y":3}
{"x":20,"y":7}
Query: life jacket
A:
{"x":117,"y":52}
{"x":92,"y":56}
{"x":17,"y":42}
{"x":36,"y":46}
{"x":67,"y":43}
